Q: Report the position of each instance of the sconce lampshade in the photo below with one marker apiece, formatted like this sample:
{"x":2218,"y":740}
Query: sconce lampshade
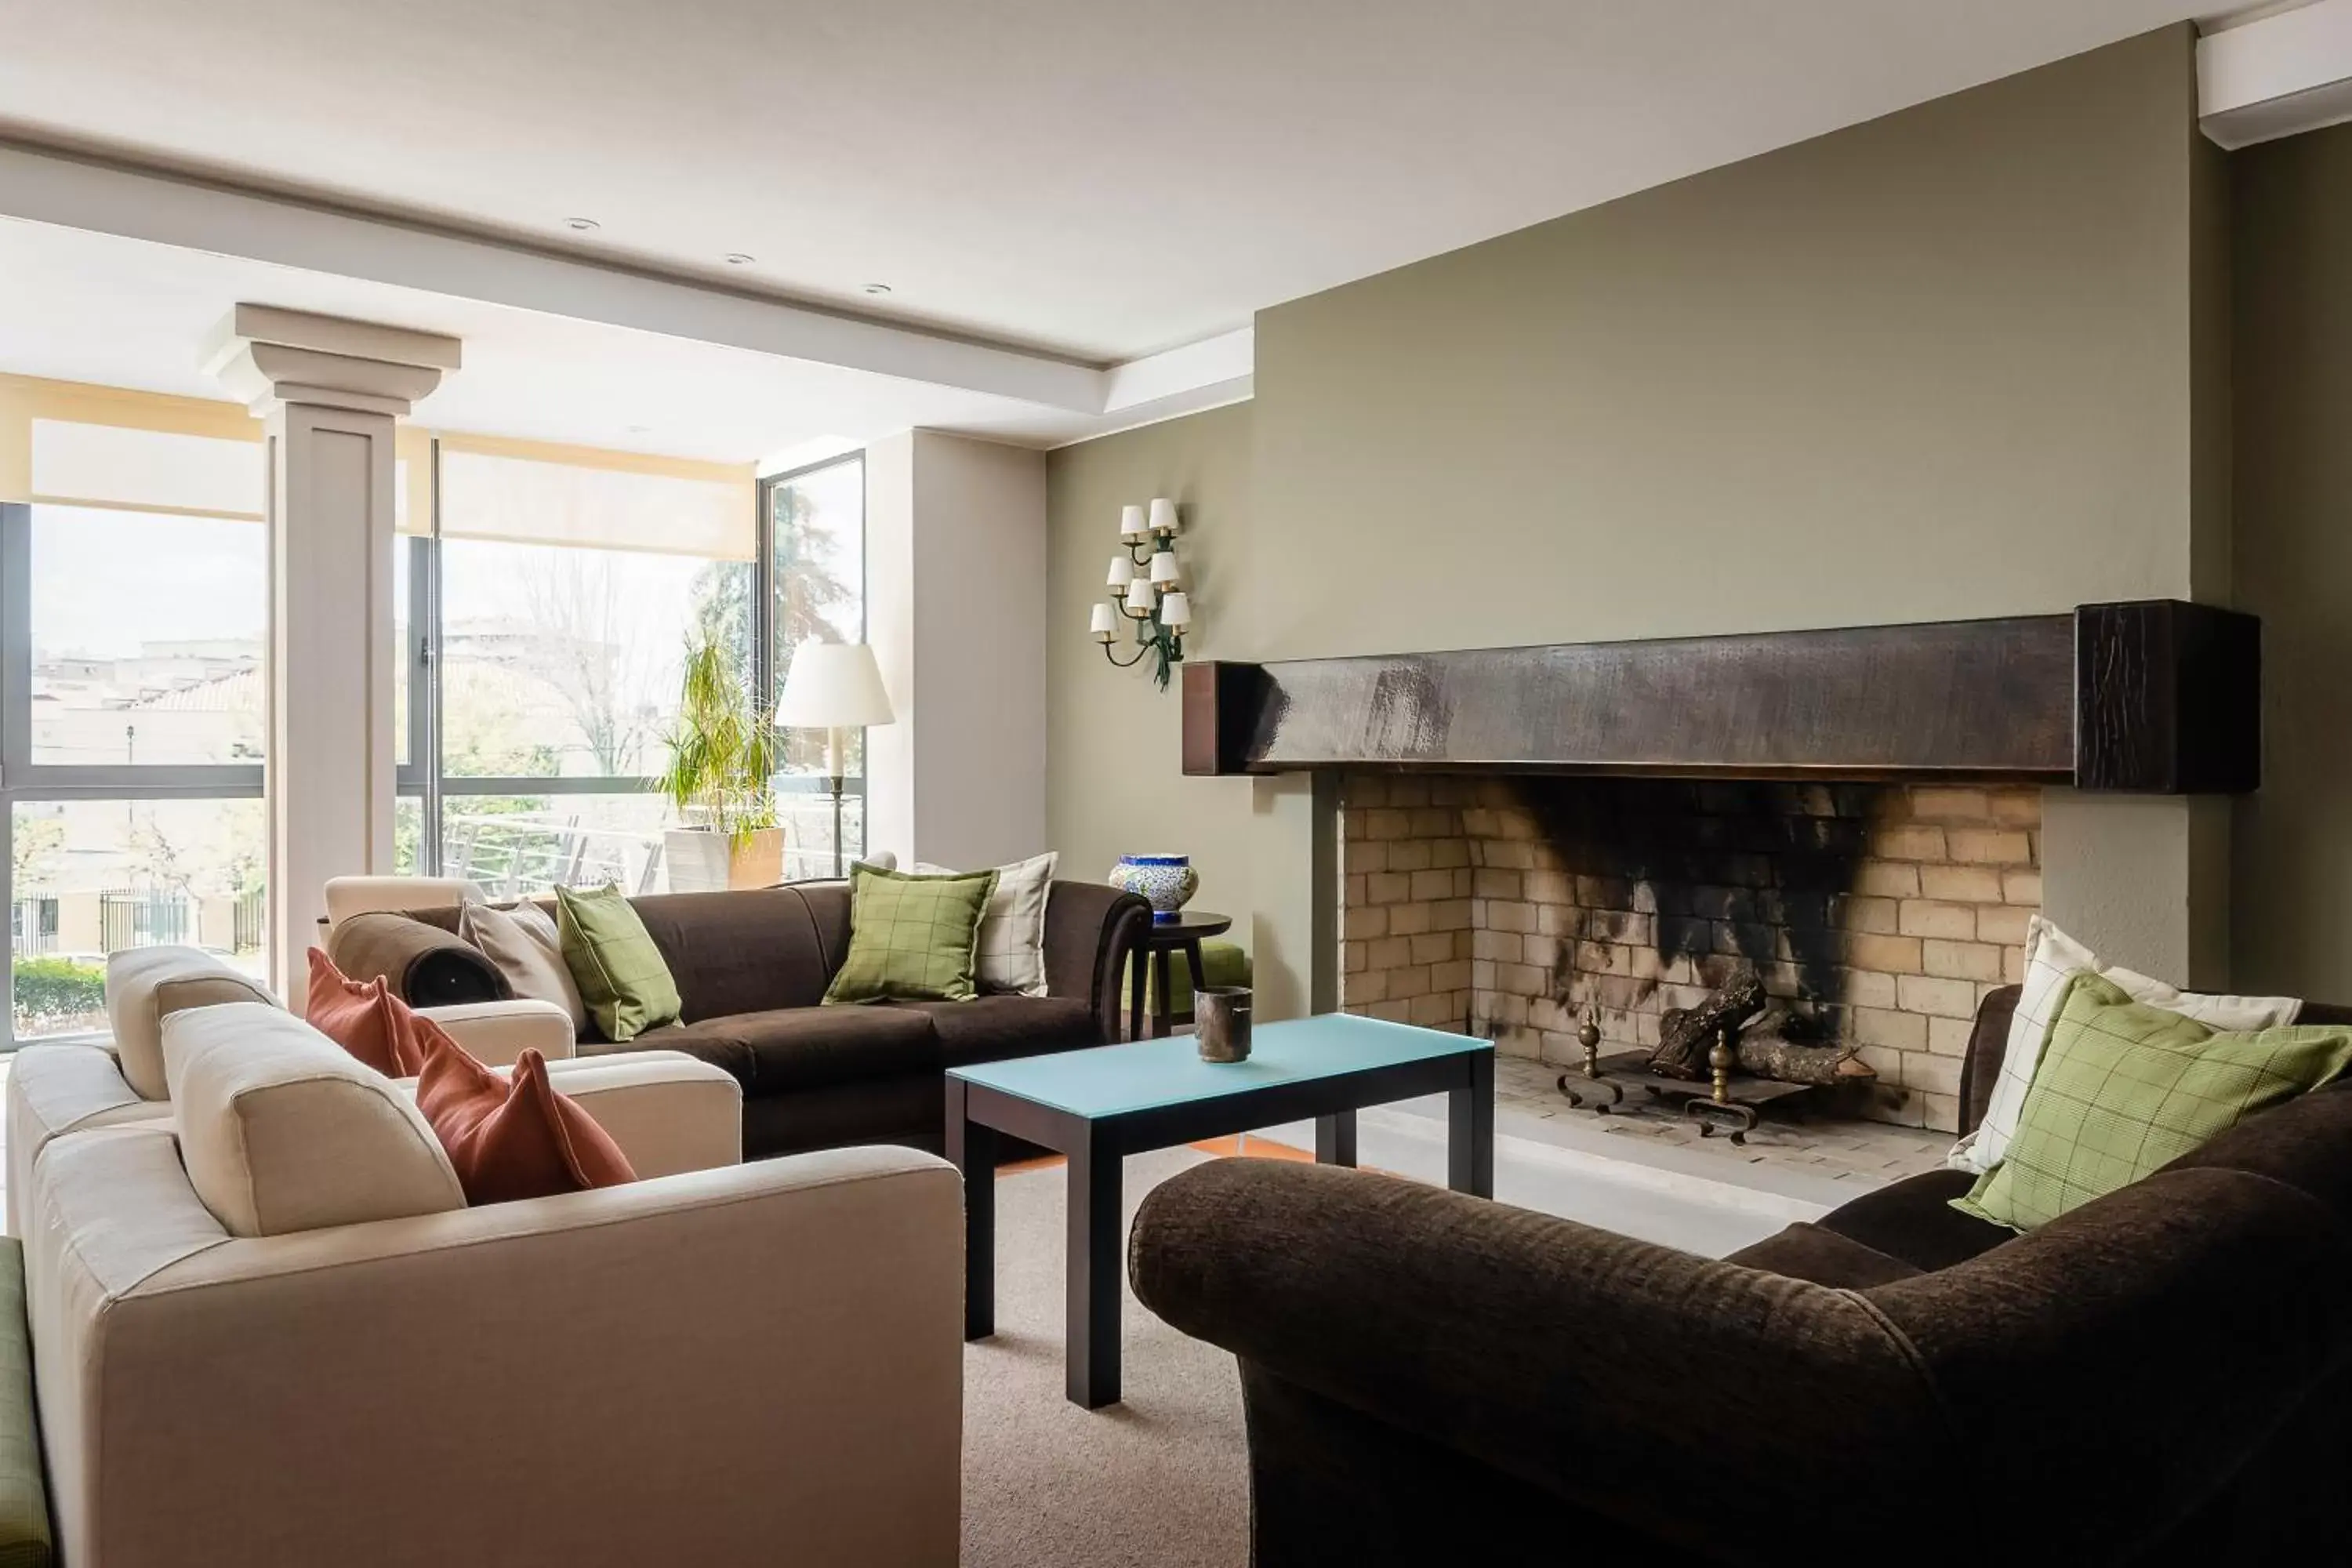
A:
{"x":1122,"y":572}
{"x":1105,"y":625}
{"x":1163,"y":516}
{"x":1175,"y":611}
{"x":1130,"y":522}
{"x":1163,"y":570}
{"x":833,"y":686}
{"x":1140,"y":597}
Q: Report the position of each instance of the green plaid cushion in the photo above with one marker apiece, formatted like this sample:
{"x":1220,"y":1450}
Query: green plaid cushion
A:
{"x":624,"y":982}
{"x":912,"y":938}
{"x":2124,"y":1087}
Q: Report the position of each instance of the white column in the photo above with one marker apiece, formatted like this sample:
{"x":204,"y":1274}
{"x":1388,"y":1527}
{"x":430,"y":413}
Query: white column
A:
{"x":331,"y":390}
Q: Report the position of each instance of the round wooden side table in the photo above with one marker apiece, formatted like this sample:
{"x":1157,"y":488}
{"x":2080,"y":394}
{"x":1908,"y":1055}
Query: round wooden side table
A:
{"x":1161,"y":940}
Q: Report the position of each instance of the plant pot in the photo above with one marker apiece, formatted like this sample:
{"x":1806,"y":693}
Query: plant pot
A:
{"x":704,"y":860}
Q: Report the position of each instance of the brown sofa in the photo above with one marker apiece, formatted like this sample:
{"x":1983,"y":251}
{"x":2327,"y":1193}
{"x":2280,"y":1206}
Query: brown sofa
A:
{"x":751,"y":969}
{"x":2158,"y":1378}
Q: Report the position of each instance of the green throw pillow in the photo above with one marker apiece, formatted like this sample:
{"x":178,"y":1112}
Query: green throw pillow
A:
{"x":2124,"y":1087}
{"x":623,"y":980}
{"x":912,"y":938}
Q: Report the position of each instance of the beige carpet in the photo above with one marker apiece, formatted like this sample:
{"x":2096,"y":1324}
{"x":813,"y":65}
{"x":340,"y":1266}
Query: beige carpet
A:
{"x":1158,"y":1481}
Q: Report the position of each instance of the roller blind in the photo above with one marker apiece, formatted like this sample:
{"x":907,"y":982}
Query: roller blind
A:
{"x":528,"y":494}
{"x":65,"y":443}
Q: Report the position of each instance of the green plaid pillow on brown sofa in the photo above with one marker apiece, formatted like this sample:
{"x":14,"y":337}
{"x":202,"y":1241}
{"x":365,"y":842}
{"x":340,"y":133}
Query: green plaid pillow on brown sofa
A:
{"x":2124,"y":1087}
{"x":912,"y":938}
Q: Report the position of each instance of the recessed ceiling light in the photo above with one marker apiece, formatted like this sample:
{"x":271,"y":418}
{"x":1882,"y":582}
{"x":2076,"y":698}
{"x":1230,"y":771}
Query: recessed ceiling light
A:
{"x":582,"y":224}
{"x":737,"y":258}
{"x":878,"y":287}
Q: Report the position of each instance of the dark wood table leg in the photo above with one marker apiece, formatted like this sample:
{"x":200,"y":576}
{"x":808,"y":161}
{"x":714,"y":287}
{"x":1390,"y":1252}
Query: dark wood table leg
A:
{"x":1091,"y":1373}
{"x":972,"y":1149}
{"x":1139,"y":970}
{"x":1335,"y":1139}
{"x":1199,"y":970}
{"x":1162,"y":1023}
{"x":1470,"y":1131}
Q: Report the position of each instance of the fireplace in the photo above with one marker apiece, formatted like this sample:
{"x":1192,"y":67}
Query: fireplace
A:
{"x":1857,"y":812}
{"x":1877,"y":914}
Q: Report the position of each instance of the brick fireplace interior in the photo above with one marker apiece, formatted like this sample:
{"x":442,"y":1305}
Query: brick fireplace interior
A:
{"x":1504,"y":904}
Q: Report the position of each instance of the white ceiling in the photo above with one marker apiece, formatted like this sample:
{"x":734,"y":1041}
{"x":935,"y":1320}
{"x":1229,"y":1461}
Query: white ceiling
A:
{"x":1103,"y":178}
{"x":78,"y":306}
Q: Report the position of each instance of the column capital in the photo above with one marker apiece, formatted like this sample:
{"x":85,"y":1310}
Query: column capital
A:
{"x":271,"y":357}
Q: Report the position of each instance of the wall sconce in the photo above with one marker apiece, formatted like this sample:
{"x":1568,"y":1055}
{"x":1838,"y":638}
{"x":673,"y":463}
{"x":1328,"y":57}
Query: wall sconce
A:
{"x":1147,"y":587}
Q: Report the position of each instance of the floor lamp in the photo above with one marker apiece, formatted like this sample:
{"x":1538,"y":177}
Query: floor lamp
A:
{"x":836,"y":687}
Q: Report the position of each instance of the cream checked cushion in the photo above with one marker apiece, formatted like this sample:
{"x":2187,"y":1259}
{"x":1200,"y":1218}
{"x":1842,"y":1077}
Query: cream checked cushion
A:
{"x":283,"y":1129}
{"x":1012,"y":930}
{"x":145,"y":983}
{"x":2051,"y":957}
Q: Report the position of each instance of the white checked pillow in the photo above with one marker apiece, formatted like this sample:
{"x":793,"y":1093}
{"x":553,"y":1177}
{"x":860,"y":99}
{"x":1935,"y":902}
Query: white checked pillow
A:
{"x":1012,"y":928}
{"x":2051,"y":955}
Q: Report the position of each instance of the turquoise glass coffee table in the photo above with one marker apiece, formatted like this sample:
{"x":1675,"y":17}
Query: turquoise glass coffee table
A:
{"x":1099,"y":1106}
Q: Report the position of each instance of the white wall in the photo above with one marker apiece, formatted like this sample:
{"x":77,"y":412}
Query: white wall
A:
{"x":956,"y":611}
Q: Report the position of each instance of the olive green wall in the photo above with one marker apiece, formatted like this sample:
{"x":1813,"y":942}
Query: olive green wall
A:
{"x":1935,"y":365}
{"x":1114,"y":781}
{"x":2292,"y":889}
{"x":1967,"y":360}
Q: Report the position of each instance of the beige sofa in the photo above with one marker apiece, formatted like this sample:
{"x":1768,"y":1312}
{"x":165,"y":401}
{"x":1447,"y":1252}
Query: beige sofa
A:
{"x":68,"y":1086}
{"x":267,"y":1331}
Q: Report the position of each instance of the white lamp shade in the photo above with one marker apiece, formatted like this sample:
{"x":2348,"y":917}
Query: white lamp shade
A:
{"x":1164,"y":574}
{"x":1140,"y":597}
{"x":1130,"y":522}
{"x":1163,"y":515}
{"x":833,"y":686}
{"x":1122,"y":572}
{"x":1106,"y":621}
{"x":1175,"y":611}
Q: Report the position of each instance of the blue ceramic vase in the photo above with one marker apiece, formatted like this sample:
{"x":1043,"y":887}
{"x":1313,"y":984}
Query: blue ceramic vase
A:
{"x":1164,"y":881}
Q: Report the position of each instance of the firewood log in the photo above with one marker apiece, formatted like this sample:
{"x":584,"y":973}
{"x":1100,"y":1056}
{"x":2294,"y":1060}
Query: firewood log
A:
{"x":1686,"y":1036}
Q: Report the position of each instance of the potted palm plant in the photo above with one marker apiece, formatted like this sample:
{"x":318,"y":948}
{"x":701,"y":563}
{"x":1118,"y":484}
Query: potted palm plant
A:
{"x":723,"y":752}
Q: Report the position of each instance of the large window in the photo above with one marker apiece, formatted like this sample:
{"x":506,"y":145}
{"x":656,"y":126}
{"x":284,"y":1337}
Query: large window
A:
{"x":566,"y":591}
{"x":544,"y":600}
{"x":133,"y":620}
{"x":816,"y":544}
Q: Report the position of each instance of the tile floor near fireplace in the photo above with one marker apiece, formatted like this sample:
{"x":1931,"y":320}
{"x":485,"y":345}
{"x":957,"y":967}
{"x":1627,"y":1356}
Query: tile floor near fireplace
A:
{"x":1506,"y":904}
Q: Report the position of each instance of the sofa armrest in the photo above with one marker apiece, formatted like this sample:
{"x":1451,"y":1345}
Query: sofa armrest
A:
{"x":1089,"y":931}
{"x":580,"y":1379}
{"x":422,"y":964}
{"x":1664,"y":1391}
{"x":669,"y":1112}
{"x":498,"y":1033}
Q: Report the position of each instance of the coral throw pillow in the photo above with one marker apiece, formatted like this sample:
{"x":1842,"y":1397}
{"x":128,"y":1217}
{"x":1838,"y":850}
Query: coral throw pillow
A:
{"x":511,"y":1137}
{"x":364,"y":1018}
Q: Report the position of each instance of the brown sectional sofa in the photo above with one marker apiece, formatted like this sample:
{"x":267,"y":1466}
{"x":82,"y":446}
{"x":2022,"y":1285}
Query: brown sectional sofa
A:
{"x":751,"y":969}
{"x":2159,"y":1376}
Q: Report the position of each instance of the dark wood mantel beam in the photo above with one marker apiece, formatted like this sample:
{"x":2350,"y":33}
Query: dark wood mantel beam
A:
{"x":2151,"y":695}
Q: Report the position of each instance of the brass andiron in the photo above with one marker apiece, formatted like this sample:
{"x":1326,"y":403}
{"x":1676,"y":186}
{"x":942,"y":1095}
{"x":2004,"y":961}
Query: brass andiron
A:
{"x":1589,"y":1085}
{"x":1717,"y":1111}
